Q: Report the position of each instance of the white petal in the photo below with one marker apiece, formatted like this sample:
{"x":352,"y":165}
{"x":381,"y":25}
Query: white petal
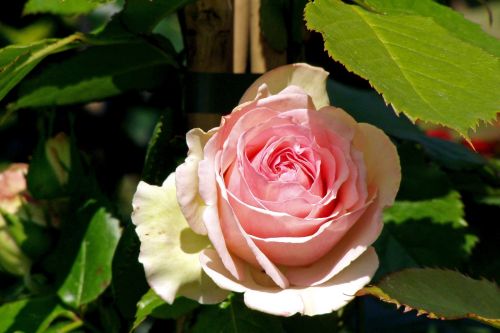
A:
{"x":186,"y":179}
{"x":325,"y":298}
{"x":311,"y":79}
{"x":169,"y":248}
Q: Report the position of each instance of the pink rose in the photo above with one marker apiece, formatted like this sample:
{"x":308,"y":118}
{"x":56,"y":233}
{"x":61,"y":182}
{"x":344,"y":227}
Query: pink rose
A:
{"x":12,"y":184}
{"x":281,"y":202}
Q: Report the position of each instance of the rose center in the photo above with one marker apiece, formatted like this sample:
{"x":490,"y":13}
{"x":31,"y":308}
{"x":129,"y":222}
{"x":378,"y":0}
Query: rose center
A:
{"x":291,"y":164}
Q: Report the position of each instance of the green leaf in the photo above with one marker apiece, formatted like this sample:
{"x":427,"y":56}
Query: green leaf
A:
{"x":440,"y":294}
{"x":32,"y":33}
{"x":421,"y":218}
{"x":32,"y":315}
{"x":367,"y":106}
{"x":17,"y":61}
{"x":61,"y":7}
{"x":88,"y":244}
{"x":97,"y":73}
{"x":422,"y":68}
{"x":442,"y":210}
{"x":157,"y":166}
{"x":170,"y":28}
{"x":152,"y":305}
{"x":234,"y":317}
{"x":42,"y":179}
{"x":127,"y":271}
{"x":416,"y":170}
{"x":451,"y":20}
{"x":144,"y":15}
{"x":33,"y":239}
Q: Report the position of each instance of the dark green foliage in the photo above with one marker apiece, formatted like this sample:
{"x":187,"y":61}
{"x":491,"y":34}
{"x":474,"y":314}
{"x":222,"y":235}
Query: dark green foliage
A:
{"x":105,"y":78}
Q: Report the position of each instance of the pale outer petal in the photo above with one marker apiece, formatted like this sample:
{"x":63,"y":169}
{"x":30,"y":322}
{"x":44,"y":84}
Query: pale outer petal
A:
{"x":325,"y":298}
{"x":311,"y":79}
{"x":381,"y":160}
{"x":169,"y":248}
{"x":186,"y":180}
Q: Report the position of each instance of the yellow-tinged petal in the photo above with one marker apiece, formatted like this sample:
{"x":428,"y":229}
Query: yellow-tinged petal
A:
{"x":311,"y":79}
{"x":169,"y":248}
{"x":381,"y":160}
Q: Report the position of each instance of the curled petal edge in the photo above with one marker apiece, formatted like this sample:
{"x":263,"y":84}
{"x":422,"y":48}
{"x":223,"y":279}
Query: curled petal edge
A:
{"x":321,"y":299}
{"x":186,"y":180}
{"x":311,"y":79}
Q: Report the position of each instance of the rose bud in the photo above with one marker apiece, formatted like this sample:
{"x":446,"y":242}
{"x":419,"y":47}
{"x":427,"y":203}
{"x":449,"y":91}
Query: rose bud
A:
{"x":23,"y":233}
{"x":50,"y":165}
{"x":58,"y":154}
{"x":12,"y":186}
{"x":281,"y":202}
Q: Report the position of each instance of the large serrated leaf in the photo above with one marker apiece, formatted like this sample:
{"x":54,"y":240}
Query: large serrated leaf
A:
{"x":448,"y":19}
{"x":422,"y":68}
{"x":367,"y":106}
{"x":17,"y":61}
{"x":440,"y":294}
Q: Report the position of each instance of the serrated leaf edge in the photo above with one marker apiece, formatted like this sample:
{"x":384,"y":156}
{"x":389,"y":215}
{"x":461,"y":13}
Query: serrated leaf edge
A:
{"x":375,"y":291}
{"x":474,"y":126}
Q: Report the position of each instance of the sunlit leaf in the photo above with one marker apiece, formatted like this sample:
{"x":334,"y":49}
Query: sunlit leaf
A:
{"x":62,"y":7}
{"x":17,"y":61}
{"x":420,"y":66}
{"x":440,"y":294}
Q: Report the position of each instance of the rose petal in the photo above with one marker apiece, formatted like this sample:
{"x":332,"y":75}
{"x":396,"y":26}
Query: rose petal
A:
{"x":304,"y":251}
{"x":212,"y":220}
{"x":333,"y":127}
{"x":325,"y":298}
{"x":12,"y":183}
{"x":311,"y":79}
{"x":381,"y":160}
{"x":265,"y":223}
{"x":169,"y":248}
{"x":186,"y":180}
{"x":353,"y":244}
{"x":237,"y":239}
